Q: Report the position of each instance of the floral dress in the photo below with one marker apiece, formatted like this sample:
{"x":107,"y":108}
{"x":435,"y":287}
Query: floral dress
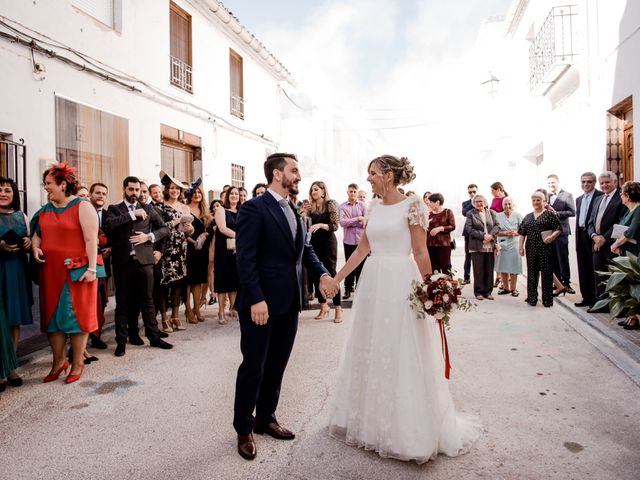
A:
{"x":173,"y":263}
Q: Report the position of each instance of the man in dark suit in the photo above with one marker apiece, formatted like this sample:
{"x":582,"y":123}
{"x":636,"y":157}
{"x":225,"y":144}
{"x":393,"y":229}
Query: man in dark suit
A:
{"x":132,"y":228}
{"x":564,"y":206}
{"x":584,"y":244}
{"x":98,"y":193}
{"x":607,"y":211}
{"x":271,"y":245}
{"x":467,"y":206}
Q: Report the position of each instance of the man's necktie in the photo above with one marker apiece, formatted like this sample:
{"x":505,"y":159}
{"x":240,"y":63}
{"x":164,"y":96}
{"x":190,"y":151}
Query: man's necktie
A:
{"x":291,"y":218}
{"x":603,"y":207}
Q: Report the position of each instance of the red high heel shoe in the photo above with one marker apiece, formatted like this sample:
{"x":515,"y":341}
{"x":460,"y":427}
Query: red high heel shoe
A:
{"x":54,"y":375}
{"x":74,"y":378}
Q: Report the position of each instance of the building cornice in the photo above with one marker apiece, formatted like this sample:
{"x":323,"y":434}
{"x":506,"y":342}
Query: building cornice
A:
{"x":218,"y":13}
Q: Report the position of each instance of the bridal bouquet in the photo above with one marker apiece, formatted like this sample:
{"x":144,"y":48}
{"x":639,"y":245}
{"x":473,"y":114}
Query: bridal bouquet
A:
{"x":438,"y":296}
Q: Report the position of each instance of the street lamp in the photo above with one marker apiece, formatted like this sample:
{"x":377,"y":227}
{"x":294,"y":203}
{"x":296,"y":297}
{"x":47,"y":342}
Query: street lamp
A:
{"x":491,"y":84}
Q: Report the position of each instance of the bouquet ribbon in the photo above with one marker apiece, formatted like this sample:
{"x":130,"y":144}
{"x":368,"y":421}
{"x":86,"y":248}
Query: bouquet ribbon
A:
{"x":445,"y":350}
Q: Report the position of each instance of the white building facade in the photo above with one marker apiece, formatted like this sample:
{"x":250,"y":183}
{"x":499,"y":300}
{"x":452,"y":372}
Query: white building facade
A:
{"x":131,"y":87}
{"x":568,"y":76}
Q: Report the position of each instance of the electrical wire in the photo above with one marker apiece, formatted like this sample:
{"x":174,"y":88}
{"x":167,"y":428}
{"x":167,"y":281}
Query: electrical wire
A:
{"x":108,"y":75}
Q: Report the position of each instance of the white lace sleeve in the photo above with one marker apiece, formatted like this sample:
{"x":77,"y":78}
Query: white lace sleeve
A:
{"x":417,"y":213}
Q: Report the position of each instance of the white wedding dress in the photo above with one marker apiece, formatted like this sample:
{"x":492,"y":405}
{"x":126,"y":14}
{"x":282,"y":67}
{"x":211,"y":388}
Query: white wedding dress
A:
{"x":392,"y":395}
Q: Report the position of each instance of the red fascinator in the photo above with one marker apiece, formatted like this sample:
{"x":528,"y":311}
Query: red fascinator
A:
{"x":63,"y":171}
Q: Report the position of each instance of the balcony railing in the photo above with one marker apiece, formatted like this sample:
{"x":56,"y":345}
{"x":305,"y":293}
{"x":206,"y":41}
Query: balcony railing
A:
{"x":237,"y":106}
{"x":552,"y":51}
{"x":181,"y":74}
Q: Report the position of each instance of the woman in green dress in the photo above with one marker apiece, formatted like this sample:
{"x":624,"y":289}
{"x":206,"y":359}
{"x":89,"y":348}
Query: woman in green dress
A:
{"x":629,"y":240}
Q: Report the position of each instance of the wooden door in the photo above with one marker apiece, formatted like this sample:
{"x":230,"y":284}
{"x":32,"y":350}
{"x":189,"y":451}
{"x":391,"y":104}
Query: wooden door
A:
{"x":627,"y":155}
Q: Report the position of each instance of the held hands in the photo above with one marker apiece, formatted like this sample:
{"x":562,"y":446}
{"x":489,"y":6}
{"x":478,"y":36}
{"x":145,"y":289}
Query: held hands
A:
{"x":328,"y":286}
{"x":139,"y":238}
{"x":260,"y":313}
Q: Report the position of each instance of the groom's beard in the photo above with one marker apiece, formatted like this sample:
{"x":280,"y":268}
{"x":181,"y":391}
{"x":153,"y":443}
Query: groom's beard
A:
{"x":131,"y":199}
{"x":292,"y":187}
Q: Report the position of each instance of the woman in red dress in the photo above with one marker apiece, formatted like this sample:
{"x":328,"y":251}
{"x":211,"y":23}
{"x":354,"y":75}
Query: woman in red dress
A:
{"x":65,"y":245}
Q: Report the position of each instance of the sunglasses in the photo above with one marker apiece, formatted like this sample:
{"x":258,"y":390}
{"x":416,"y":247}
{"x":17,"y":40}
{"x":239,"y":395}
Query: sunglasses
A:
{"x":472,"y":191}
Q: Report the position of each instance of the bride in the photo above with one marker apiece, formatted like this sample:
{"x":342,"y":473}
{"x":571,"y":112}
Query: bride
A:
{"x":392,"y":396}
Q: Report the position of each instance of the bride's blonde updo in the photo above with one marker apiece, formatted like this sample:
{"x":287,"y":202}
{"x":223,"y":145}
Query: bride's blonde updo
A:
{"x":400,"y":167}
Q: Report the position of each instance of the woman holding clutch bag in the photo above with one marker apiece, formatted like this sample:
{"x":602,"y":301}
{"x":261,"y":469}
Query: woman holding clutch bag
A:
{"x":15,"y":286}
{"x":68,"y":306}
{"x":225,"y":271}
{"x":538,"y":231}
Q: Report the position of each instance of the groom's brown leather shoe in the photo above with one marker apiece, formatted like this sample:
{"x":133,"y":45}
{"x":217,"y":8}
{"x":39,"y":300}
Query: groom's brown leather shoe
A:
{"x":247,"y":447}
{"x":275,"y":430}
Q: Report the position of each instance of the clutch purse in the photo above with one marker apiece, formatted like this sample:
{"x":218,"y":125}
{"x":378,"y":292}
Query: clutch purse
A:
{"x":231,"y":243}
{"x":11,"y":238}
{"x":78,"y":266}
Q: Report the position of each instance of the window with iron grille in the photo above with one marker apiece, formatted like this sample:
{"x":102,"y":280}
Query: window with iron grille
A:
{"x":237,"y":84}
{"x":237,"y":175}
{"x":180,"y":59}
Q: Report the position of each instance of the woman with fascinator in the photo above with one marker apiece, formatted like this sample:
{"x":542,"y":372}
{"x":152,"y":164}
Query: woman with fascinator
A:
{"x":173,"y":263}
{"x":68,"y":273}
{"x":198,"y":247}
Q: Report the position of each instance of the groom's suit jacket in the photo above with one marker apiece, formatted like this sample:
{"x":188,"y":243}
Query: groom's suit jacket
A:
{"x":269,"y":261}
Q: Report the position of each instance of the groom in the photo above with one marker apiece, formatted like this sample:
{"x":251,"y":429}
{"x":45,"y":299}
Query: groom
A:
{"x":271,"y":244}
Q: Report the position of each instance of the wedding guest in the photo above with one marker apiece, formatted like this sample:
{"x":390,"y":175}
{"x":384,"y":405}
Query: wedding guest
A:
{"x":441,"y":224}
{"x":213,"y":206}
{"x":155,"y":192}
{"x":362,"y":197}
{"x":481,"y":227}
{"x":8,"y":358}
{"x":173,"y":264}
{"x":425,"y":199}
{"x":83,"y":192}
{"x":467,"y":206}
{"x":324,"y":213}
{"x":243,"y":194}
{"x":133,"y":228}
{"x":584,"y":245}
{"x":98,"y":193}
{"x":15,"y":286}
{"x":508,"y":261}
{"x":258,"y":190}
{"x":67,"y":307}
{"x":498,"y":192}
{"x":197,"y":252}
{"x":223,"y":194}
{"x":538,"y":230}
{"x":627,"y":242}
{"x":225,"y":270}
{"x":563,"y":204}
{"x":608,"y":209}
{"x":352,"y":218}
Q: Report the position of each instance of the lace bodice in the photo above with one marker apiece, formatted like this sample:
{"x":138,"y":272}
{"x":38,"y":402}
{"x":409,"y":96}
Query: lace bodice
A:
{"x":388,"y":225}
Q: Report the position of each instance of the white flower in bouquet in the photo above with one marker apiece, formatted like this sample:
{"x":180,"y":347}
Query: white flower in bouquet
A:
{"x":445,"y":298}
{"x":439,"y":315}
{"x":428,"y":304}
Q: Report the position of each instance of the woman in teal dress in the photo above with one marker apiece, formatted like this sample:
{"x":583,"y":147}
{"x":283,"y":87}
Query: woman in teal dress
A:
{"x":629,"y":241}
{"x":8,"y":359}
{"x":508,"y":262}
{"x":15,"y":286}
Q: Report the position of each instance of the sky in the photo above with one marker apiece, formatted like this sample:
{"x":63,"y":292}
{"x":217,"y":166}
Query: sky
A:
{"x":406,"y":67}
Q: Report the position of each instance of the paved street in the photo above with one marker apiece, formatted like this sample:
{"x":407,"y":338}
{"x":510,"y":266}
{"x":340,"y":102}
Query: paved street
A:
{"x":552,"y":406}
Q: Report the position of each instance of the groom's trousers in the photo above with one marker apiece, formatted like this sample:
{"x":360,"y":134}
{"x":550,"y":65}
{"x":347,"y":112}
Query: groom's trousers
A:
{"x":265,"y":353}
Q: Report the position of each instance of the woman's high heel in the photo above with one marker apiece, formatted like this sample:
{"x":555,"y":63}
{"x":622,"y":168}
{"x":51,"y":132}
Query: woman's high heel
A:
{"x":562,"y":292}
{"x":177,"y":325}
{"x":74,"y":378}
{"x":338,"y":317}
{"x":323,"y":313}
{"x":54,"y":375}
{"x":191,"y":318}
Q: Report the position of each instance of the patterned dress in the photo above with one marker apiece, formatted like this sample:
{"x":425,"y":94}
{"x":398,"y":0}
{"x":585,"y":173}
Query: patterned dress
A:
{"x":539,"y":255}
{"x":173,"y":263}
{"x":65,"y":306}
{"x":15,"y":285}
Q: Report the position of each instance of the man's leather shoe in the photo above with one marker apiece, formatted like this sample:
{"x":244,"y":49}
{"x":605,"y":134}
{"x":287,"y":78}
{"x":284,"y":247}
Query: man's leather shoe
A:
{"x":120,"y":350}
{"x":275,"y":430}
{"x":584,"y":303}
{"x":136,"y":340}
{"x":159,"y":343}
{"x":96,"y":342}
{"x":247,"y":446}
{"x":347,"y":295}
{"x":161,"y":334}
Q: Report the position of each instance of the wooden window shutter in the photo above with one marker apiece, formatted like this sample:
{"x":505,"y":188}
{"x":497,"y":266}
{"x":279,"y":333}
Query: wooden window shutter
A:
{"x":180,"y":34}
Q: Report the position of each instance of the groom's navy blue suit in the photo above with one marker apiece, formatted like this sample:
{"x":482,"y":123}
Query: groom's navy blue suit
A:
{"x":270,"y":269}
